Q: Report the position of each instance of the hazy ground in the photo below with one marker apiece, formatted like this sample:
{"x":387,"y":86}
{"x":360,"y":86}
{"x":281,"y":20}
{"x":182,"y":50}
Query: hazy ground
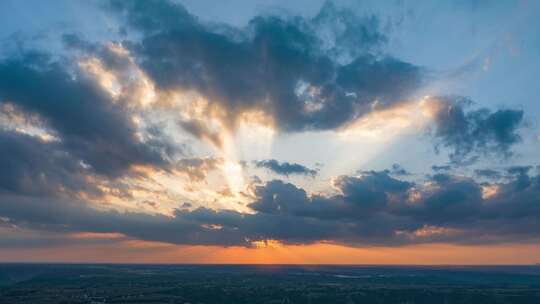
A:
{"x":48,"y":283}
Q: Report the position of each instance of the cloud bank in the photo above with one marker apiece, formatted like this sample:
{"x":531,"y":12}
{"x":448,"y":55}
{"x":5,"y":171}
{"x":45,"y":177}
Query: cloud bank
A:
{"x":371,"y":209}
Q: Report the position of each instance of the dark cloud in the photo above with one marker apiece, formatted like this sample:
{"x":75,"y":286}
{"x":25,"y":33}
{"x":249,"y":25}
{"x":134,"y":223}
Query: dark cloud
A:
{"x":398,"y":170}
{"x":487,"y":173}
{"x":34,"y":167}
{"x":521,"y":175}
{"x":201,"y":226}
{"x":450,"y":209}
{"x":154,"y":15}
{"x":451,"y":200}
{"x":372,"y":209}
{"x":359,"y":198}
{"x":91,"y":126}
{"x":440,"y":168}
{"x":279,"y":197}
{"x":372,"y":191}
{"x":18,"y":239}
{"x":519,"y":170}
{"x":470,"y":134}
{"x":276,"y":65}
{"x":352,"y":35}
{"x":285,"y":168}
{"x":73,"y":41}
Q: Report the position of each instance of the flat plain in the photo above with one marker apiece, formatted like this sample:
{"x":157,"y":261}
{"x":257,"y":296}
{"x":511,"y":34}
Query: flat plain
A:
{"x":107,"y":283}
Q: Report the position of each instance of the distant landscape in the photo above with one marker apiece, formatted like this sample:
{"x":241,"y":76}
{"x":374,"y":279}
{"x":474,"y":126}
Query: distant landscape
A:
{"x":71,"y":283}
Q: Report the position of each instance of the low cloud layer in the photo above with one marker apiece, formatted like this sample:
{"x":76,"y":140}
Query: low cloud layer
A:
{"x":371,"y":209}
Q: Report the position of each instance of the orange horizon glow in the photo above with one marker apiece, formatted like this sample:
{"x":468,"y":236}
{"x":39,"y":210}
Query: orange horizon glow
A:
{"x":324,"y":254}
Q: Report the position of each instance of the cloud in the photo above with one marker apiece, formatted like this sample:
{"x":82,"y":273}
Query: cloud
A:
{"x":32,"y":166}
{"x":385,"y":210}
{"x":519,"y":170}
{"x":487,"y":173}
{"x":371,"y":209}
{"x":278,"y":66}
{"x":398,"y":170}
{"x":197,"y":168}
{"x":347,"y":34}
{"x":285,"y":168}
{"x":470,"y":134}
{"x":90,"y":125}
{"x":521,"y":175}
{"x":440,"y":168}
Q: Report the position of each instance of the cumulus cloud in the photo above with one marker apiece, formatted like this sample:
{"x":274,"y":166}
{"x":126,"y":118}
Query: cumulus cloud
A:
{"x":91,"y":126}
{"x":285,"y":168}
{"x":278,"y":65}
{"x":471,"y":133}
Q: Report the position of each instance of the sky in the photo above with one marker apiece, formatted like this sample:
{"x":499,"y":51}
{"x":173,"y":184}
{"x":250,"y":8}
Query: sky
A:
{"x":305,"y":132}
